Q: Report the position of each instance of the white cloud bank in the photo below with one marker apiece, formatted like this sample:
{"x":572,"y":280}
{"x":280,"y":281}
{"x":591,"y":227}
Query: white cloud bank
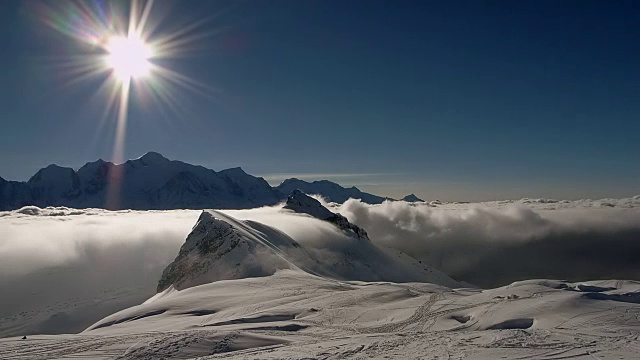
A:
{"x":33,"y":238}
{"x":457,"y":238}
{"x":62,"y":269}
{"x":495,"y":243}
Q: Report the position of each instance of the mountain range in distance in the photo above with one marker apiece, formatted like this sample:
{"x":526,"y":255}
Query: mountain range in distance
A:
{"x":153,"y":182}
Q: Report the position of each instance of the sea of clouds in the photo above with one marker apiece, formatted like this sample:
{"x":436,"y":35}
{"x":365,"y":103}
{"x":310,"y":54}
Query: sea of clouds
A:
{"x":493,"y":244}
{"x":483,"y":243}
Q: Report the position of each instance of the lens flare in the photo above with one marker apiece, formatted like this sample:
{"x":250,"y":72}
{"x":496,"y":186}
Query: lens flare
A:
{"x":124,"y":47}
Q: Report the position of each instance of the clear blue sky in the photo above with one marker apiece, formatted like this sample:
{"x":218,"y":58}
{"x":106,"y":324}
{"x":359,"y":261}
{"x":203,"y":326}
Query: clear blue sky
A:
{"x":456,"y":100}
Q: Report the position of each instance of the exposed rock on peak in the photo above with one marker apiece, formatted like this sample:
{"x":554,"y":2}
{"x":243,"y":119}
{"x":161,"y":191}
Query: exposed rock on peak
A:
{"x":302,"y":203}
{"x":299,"y":202}
{"x":222,"y":248}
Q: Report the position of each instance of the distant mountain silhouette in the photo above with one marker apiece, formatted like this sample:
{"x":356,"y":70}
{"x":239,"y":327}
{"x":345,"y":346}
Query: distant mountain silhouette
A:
{"x":331,"y":191}
{"x":155,"y":182}
{"x":411,"y":198}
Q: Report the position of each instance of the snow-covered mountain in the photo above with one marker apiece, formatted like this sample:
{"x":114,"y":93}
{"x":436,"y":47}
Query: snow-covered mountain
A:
{"x":14,"y":194}
{"x":222,"y":248}
{"x":331,"y":191}
{"x":155,"y":182}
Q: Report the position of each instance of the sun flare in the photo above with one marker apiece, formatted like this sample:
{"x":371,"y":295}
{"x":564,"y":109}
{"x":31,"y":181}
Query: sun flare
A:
{"x":125,"y":45}
{"x":128,"y":57}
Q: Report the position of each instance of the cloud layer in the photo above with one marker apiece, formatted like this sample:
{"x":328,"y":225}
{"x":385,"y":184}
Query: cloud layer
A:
{"x":33,"y":238}
{"x":62,"y":269}
{"x":491,"y":244}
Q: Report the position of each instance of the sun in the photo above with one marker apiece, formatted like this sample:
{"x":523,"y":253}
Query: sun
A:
{"x":128,"y":57}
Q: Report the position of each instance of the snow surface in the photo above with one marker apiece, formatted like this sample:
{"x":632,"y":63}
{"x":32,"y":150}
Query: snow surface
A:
{"x":295,"y":315}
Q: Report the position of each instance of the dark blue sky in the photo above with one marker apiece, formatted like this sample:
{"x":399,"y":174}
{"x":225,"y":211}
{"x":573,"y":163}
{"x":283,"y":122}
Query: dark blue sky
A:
{"x":456,"y":100}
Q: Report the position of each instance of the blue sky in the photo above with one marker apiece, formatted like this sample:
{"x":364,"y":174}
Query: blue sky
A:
{"x":455,"y":100}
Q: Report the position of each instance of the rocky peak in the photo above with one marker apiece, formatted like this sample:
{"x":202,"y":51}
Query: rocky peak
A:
{"x":300,"y":202}
{"x":221,"y":248}
{"x":412,"y":198}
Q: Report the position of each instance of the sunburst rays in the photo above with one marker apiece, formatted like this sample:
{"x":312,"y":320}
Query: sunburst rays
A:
{"x":124,"y":45}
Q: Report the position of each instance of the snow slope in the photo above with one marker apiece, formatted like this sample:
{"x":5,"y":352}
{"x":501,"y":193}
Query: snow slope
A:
{"x":295,"y":315}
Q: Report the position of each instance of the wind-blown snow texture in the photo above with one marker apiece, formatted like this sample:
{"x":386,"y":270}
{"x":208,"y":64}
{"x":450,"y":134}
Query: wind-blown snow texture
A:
{"x":294,"y":315}
{"x":155,"y":182}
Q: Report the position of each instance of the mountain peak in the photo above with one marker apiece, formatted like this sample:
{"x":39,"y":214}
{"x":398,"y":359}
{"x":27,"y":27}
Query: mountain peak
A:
{"x":290,"y":181}
{"x":155,"y":182}
{"x":329,"y":190}
{"x":220,"y":247}
{"x":152,"y":158}
{"x":234,"y":170}
{"x":302,"y":203}
{"x":412,"y":198}
{"x":52,"y":172}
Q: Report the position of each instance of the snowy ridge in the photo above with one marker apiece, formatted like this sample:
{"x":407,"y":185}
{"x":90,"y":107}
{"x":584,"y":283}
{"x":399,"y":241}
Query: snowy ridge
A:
{"x":222,"y":248}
